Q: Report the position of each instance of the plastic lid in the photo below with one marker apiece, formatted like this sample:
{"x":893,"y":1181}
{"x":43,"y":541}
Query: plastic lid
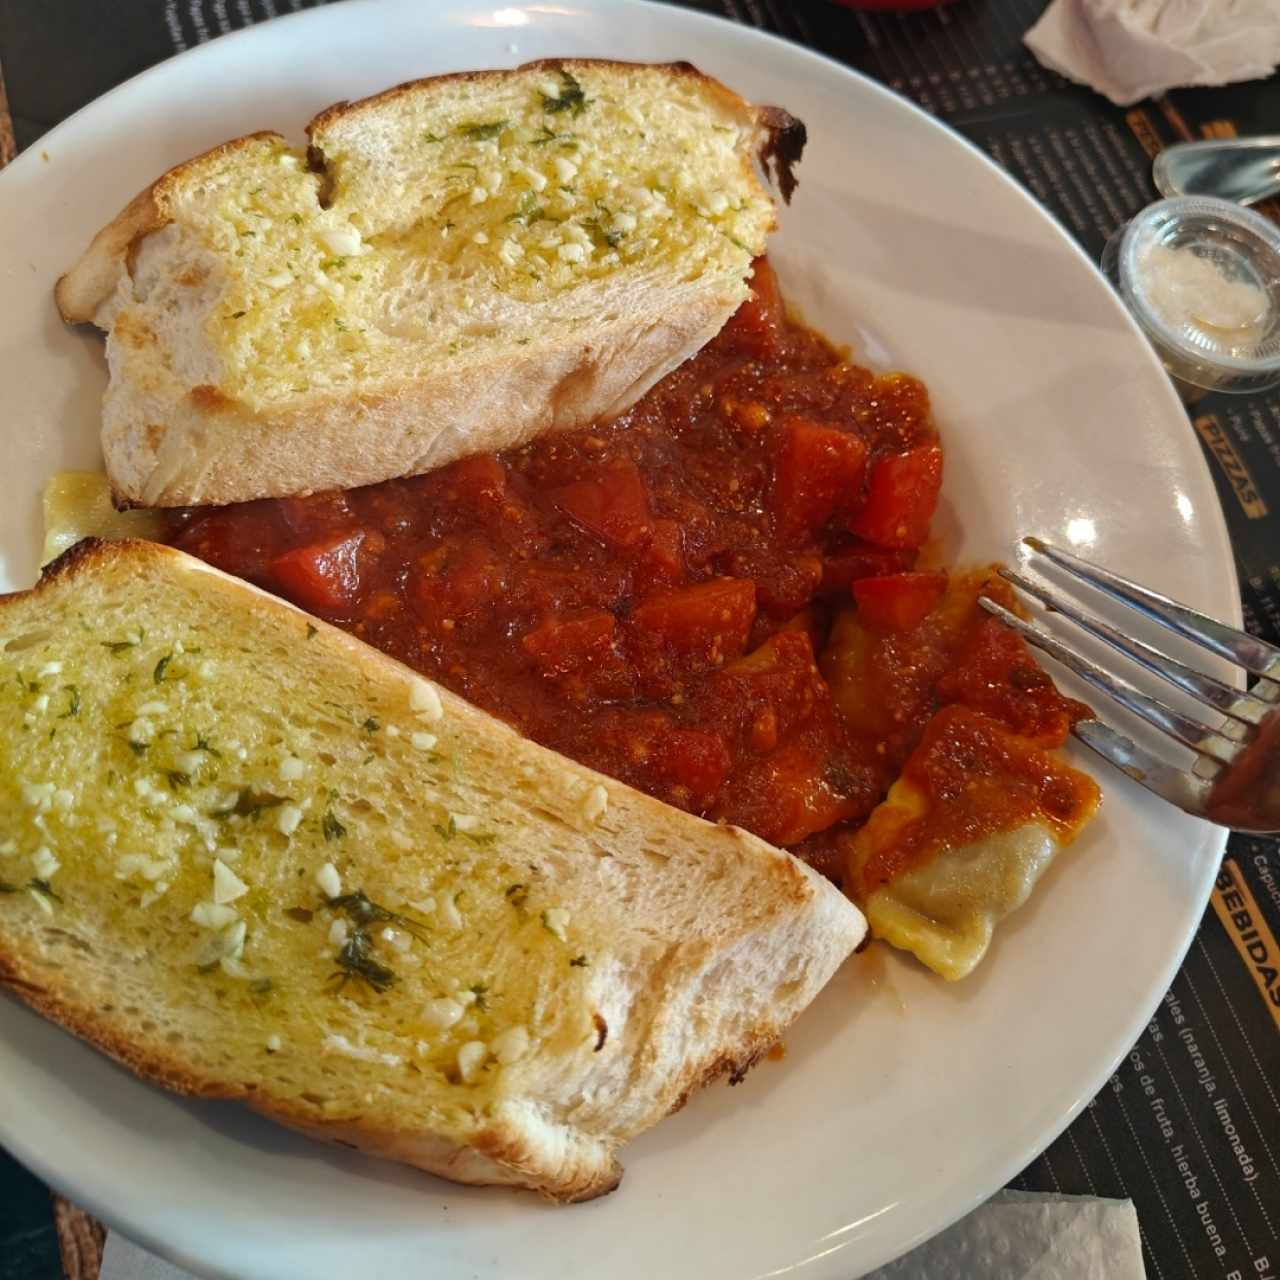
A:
{"x":1202,"y":277}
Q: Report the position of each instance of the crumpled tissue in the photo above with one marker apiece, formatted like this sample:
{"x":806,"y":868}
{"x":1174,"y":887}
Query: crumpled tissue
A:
{"x":1133,"y":49}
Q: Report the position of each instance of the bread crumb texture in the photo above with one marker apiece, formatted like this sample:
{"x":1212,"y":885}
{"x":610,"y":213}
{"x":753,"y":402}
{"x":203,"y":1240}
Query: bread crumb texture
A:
{"x":439,"y":217}
{"x":270,"y":897}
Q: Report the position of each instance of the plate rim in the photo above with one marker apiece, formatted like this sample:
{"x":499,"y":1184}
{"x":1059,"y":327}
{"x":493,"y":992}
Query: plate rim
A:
{"x":1222,"y":552}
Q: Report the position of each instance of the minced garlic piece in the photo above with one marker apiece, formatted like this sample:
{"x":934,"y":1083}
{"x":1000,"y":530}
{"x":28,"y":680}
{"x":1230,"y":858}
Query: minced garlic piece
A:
{"x":510,"y":1045}
{"x":425,"y":700}
{"x":287,"y":819}
{"x":556,"y":920}
{"x":443,"y":1013}
{"x":212,"y":915}
{"x":291,"y":769}
{"x":595,"y":804}
{"x":471,"y":1057}
{"x":227,"y":886}
{"x":328,"y":881}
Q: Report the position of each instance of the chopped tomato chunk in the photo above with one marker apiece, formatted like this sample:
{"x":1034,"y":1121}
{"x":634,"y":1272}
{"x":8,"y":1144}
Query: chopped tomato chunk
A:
{"x":818,"y":471}
{"x":322,"y":576}
{"x":901,"y":497}
{"x":562,"y":645}
{"x":611,"y":505}
{"x":710,"y":619}
{"x":675,"y":633}
{"x":223,"y":536}
{"x":662,"y":563}
{"x":786,"y":796}
{"x":317,"y":514}
{"x":758,"y":322}
{"x":456,"y":580}
{"x":762,"y":697}
{"x":842,"y":567}
{"x":898,"y":601}
{"x":480,"y":478}
{"x":785,"y":579}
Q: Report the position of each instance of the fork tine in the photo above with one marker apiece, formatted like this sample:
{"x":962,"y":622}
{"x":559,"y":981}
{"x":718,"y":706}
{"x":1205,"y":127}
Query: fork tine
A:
{"x":1236,"y":646}
{"x":1177,"y":786}
{"x":1214,"y":693}
{"x":1184,"y":728}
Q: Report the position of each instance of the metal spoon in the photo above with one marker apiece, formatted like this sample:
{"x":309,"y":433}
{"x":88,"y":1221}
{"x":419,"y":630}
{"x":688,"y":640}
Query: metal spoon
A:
{"x":1245,"y":170}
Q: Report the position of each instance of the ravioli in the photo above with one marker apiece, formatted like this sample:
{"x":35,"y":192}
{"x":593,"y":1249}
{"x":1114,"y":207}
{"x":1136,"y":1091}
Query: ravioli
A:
{"x":77,"y":504}
{"x":973,"y":821}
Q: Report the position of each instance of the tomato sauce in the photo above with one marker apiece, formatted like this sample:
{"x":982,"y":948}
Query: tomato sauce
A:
{"x":651,"y":596}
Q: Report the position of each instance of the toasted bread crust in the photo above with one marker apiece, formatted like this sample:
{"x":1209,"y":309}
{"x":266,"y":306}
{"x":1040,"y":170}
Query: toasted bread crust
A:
{"x":420,"y":426}
{"x":82,"y":290}
{"x":88,"y":284}
{"x":170,"y":443}
{"x":806,"y":929}
{"x":496,"y":1156}
{"x":350,"y":109}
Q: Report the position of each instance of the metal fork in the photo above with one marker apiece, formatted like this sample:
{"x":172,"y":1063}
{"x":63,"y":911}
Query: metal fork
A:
{"x":1235,"y":780}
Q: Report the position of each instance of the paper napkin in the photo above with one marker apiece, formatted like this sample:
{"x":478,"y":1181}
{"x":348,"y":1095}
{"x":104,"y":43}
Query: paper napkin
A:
{"x":1026,"y":1236}
{"x":1131,"y":49}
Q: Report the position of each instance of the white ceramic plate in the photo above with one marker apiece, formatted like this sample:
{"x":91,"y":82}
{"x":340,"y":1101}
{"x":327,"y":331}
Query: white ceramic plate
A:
{"x":902,"y":1101}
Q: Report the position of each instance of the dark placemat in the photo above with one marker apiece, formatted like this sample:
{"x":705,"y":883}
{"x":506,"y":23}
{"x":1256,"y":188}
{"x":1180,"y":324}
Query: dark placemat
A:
{"x":1189,"y":1125}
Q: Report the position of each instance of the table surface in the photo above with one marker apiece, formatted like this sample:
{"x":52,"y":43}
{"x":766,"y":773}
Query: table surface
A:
{"x":1189,"y":1126}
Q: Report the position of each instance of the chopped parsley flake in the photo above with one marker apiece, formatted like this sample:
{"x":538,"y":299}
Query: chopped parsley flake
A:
{"x":355,"y":961}
{"x":361,"y":910}
{"x":161,"y":667}
{"x":598,"y":232}
{"x":546,"y":135}
{"x":571,"y":99}
{"x":250,"y":804}
{"x":481,"y":131}
{"x":528,"y":211}
{"x":44,"y":887}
